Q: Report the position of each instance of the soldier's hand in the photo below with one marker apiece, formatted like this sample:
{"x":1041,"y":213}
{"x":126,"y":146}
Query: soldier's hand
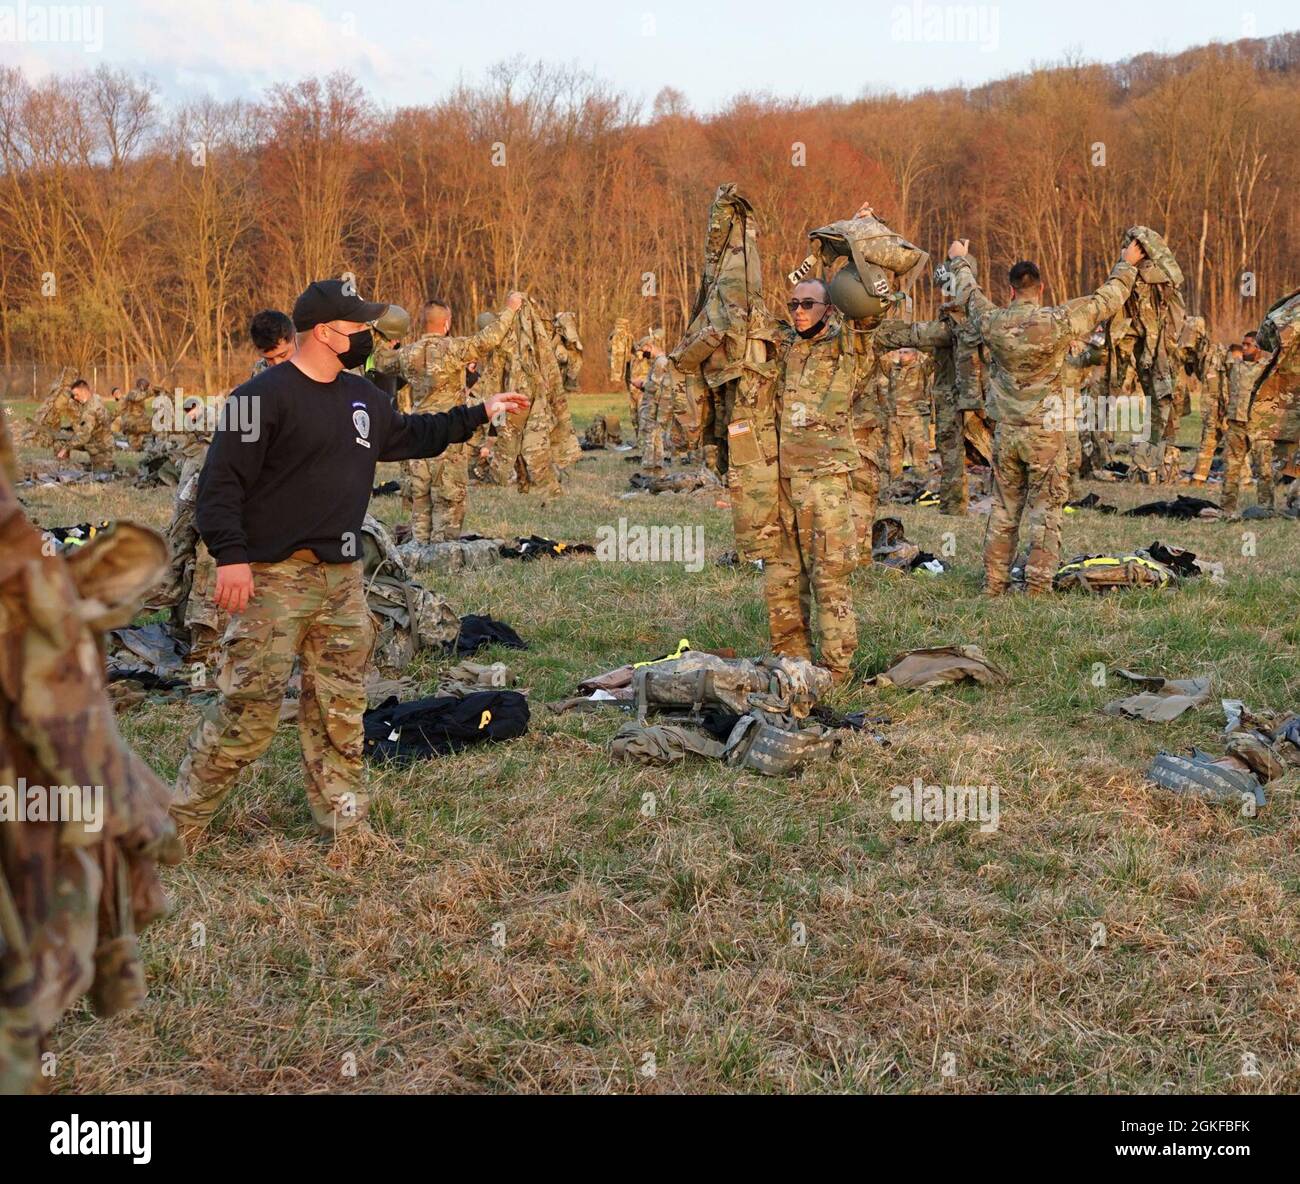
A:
{"x":959,"y":248}
{"x":1133,"y":254}
{"x":864,"y":210}
{"x":62,"y":454}
{"x":515,"y":301}
{"x":506,"y":402}
{"x":234,"y":587}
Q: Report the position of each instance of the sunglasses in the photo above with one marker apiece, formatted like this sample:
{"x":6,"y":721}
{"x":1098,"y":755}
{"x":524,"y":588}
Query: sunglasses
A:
{"x":806,"y":305}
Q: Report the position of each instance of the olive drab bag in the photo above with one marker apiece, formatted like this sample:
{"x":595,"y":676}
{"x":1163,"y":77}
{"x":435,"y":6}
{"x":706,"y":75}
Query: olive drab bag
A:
{"x":695,"y":680}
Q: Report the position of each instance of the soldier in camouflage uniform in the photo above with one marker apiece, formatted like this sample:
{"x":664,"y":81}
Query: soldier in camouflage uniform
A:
{"x":1252,"y":417}
{"x":638,"y":372}
{"x":57,"y":411}
{"x":547,"y":376}
{"x":529,"y":445}
{"x":1214,"y":405}
{"x":1028,"y":343}
{"x":1191,"y":366}
{"x":434,"y":366}
{"x":620,"y":360}
{"x":822,"y":362}
{"x":73,"y":895}
{"x":909,"y":439}
{"x":272,"y":335}
{"x":958,"y":393}
{"x":568,"y":349}
{"x":666,"y":426}
{"x":135,"y":418}
{"x":92,"y":430}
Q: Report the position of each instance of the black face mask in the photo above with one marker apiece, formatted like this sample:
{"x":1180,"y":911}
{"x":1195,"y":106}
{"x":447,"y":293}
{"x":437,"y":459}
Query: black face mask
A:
{"x":812,"y":330}
{"x":360,"y":346}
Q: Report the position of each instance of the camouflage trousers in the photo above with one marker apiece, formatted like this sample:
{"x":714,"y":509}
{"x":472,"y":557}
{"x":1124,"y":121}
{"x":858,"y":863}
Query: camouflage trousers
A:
{"x":950,"y":434}
{"x":909,"y":443}
{"x":864,"y":486}
{"x":439,"y":490}
{"x":182,"y":538}
{"x":1240,"y":449}
{"x":1073,"y":463}
{"x":817,"y":552}
{"x":521,"y":452}
{"x":317,"y":613}
{"x":1158,"y":459}
{"x":661,"y":429}
{"x":634,"y":408}
{"x":1029,"y":480}
{"x":1212,"y":434}
{"x":565,"y":449}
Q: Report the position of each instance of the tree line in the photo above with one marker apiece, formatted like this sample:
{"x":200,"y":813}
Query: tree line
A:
{"x":139,"y":238}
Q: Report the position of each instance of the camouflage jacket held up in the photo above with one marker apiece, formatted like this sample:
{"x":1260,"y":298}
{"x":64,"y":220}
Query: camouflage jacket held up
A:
{"x":1028,"y":341}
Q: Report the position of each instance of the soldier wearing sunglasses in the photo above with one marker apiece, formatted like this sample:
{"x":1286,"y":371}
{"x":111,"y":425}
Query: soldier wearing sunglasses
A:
{"x":818,"y":357}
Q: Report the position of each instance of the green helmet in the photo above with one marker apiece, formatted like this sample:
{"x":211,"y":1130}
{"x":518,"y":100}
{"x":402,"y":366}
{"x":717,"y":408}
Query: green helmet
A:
{"x":861,"y":297}
{"x":484,"y":319}
{"x":393,"y":324}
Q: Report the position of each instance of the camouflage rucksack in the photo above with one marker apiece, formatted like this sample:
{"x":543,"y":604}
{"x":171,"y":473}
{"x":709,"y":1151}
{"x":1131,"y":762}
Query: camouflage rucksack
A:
{"x":1099,"y":573}
{"x":407,"y":618}
{"x":603,"y":430}
{"x":696,"y":681}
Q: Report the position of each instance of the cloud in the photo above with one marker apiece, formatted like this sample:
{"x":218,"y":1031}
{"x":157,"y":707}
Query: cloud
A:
{"x":238,"y":48}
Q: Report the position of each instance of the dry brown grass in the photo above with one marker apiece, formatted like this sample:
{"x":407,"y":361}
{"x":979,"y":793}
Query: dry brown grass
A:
{"x":671,"y":936}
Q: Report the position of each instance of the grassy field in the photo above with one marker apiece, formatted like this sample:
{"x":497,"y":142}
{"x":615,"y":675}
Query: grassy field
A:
{"x":662,"y":954}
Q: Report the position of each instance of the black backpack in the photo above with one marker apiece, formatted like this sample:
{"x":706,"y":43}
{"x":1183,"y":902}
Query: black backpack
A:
{"x":442,"y":724}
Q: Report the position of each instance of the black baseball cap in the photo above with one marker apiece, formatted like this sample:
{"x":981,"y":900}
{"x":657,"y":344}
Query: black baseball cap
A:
{"x":333,"y":300}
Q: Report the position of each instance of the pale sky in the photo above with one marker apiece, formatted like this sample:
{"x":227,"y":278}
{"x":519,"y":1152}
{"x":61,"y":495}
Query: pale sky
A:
{"x":411,"y":52}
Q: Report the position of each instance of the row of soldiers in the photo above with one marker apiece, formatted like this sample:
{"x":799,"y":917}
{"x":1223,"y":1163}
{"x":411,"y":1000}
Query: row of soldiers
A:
{"x":520,"y":347}
{"x":1263,"y":432}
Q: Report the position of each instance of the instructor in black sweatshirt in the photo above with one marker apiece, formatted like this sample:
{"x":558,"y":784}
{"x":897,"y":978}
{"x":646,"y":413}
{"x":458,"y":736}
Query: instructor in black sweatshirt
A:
{"x":281,"y":501}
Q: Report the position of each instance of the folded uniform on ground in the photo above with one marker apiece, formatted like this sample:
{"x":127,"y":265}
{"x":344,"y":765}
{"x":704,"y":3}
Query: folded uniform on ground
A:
{"x":1162,"y":699}
{"x":923,"y":670}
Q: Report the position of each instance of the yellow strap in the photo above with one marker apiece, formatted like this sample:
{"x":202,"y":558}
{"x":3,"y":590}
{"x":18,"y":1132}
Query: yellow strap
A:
{"x":682,"y":647}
